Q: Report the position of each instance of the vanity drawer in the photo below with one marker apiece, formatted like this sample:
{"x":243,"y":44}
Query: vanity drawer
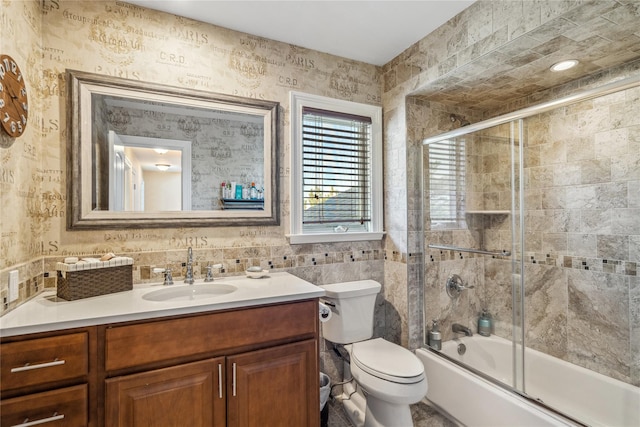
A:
{"x":62,"y":407}
{"x":44,"y":360}
{"x":209,"y":334}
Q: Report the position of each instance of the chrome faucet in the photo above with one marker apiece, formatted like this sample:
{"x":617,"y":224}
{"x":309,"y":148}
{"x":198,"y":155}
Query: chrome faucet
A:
{"x":460,"y":329}
{"x":188,"y":277}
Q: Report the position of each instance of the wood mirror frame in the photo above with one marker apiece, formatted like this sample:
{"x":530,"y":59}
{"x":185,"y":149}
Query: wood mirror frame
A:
{"x":83,"y":210}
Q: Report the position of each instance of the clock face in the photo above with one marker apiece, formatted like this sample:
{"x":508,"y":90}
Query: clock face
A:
{"x":14,"y":107}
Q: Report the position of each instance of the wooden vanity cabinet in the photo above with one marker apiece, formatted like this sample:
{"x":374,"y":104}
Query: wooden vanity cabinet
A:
{"x":251,"y":367}
{"x":256,"y":366}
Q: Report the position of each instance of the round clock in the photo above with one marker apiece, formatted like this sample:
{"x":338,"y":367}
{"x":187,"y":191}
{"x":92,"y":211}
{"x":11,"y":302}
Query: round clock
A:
{"x":14,"y":107}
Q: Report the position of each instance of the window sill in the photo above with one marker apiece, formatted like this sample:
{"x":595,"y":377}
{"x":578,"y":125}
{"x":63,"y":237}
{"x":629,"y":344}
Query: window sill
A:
{"x":299,"y":239}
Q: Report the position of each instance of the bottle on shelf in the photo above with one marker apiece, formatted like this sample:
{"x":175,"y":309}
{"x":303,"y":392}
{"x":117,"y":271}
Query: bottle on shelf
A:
{"x":485,"y":323}
{"x":245,"y":192}
{"x":253,"y":191}
{"x":435,"y":337}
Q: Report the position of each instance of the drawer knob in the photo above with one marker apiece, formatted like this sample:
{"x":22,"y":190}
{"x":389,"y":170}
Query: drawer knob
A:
{"x":54,"y":417}
{"x":29,"y":367}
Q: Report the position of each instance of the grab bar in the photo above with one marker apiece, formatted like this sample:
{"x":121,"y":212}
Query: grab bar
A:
{"x":472,"y":251}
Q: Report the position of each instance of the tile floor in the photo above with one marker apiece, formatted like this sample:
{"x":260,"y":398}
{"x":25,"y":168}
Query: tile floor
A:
{"x":423,"y":416}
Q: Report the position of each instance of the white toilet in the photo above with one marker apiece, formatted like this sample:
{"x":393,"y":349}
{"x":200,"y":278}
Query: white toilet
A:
{"x":388,"y":377}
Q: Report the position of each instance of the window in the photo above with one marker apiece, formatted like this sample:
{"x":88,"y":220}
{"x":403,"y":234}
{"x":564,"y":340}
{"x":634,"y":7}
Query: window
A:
{"x":336,"y":181}
{"x":447,"y":161}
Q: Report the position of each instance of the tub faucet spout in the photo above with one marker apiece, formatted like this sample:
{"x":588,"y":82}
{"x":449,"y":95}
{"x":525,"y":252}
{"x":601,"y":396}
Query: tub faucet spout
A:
{"x":460,"y":329}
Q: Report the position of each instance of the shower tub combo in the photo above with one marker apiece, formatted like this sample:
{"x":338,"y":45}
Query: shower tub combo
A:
{"x":512,"y":212}
{"x":591,"y":398}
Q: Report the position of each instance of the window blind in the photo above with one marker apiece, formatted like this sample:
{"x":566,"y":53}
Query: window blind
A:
{"x":447,"y":161}
{"x":336,"y":156}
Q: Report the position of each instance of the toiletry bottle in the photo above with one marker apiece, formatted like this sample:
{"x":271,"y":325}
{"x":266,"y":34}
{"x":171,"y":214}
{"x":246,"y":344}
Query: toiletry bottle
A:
{"x":238,"y":194}
{"x":253,"y":191}
{"x":435,"y":337}
{"x":484,"y":323}
{"x":223,"y":190}
{"x":245,"y":191}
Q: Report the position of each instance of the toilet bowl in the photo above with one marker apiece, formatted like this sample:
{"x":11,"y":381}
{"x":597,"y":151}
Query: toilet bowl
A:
{"x":388,"y":371}
{"x":388,"y":377}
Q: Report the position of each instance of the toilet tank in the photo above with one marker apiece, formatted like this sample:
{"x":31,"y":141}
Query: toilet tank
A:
{"x":352,"y":305}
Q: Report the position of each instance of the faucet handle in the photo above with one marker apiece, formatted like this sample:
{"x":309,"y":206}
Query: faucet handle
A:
{"x":209,"y":276}
{"x":455,"y":286}
{"x":168,"y":278}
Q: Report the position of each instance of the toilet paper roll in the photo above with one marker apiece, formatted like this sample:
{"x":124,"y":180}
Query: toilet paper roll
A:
{"x":325,"y":312}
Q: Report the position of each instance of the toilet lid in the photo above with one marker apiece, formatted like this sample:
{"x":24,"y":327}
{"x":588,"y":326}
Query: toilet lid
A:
{"x":388,"y":361}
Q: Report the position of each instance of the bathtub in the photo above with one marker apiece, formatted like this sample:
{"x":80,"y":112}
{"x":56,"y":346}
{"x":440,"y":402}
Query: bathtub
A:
{"x":589,"y":397}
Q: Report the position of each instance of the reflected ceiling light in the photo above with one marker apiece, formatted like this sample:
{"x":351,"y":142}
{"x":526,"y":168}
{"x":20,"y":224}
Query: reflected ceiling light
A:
{"x":162,"y":167}
{"x":564,"y":65}
{"x":160,"y":150}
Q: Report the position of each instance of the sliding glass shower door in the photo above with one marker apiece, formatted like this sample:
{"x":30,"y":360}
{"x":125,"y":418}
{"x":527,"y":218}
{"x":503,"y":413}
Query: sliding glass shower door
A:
{"x":538,"y":214}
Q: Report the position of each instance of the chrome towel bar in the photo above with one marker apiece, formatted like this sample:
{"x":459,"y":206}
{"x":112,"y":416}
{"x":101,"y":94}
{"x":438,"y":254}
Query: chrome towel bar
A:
{"x":472,"y":251}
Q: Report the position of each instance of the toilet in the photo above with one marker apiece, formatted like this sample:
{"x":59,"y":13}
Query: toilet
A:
{"x":388,"y":377}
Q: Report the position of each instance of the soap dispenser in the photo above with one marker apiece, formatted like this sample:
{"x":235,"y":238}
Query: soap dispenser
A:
{"x":484,"y":323}
{"x":435,"y":337}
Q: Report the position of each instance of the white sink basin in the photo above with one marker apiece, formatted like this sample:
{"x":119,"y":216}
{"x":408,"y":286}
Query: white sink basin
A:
{"x":191,"y":292}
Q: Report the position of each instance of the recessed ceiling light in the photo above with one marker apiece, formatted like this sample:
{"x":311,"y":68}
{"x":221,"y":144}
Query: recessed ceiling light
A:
{"x":160,"y":150}
{"x":162,"y":167}
{"x":564,"y":65}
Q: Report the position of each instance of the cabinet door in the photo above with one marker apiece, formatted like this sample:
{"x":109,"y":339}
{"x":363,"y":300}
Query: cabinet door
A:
{"x":186,"y":395}
{"x":278,"y":386}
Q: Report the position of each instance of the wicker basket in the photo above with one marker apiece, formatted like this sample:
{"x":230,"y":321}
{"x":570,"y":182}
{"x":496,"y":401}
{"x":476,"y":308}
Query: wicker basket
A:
{"x":73,"y":285}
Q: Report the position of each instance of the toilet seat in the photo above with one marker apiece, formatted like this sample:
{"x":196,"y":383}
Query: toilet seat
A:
{"x":387,"y":361}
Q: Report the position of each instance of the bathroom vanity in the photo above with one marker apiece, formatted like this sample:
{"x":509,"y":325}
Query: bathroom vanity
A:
{"x":229,"y":360}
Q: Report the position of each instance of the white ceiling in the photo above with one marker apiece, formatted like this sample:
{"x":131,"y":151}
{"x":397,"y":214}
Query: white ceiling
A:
{"x":374,"y":32}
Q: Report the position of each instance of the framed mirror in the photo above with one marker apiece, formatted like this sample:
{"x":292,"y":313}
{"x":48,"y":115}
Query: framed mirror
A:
{"x":143,"y":155}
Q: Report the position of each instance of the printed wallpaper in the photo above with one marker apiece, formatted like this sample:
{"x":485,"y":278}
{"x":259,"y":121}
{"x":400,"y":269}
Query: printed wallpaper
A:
{"x":118,"y":39}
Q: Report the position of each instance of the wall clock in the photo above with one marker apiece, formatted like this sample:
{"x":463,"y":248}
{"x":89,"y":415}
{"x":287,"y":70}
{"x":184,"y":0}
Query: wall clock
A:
{"x":14,"y":107}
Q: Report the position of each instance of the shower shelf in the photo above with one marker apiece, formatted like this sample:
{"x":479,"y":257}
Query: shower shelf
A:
{"x":481,"y":212}
{"x":472,"y":251}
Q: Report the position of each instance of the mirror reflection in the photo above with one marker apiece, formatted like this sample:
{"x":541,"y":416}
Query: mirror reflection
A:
{"x":147,"y":155}
{"x":168,"y":157}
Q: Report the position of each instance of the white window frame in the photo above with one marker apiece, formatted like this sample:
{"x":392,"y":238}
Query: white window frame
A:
{"x":298,"y":101}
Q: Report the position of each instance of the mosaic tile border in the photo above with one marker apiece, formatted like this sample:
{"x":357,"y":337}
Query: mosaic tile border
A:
{"x":26,"y":288}
{"x":143,"y":273}
{"x":619,"y":267}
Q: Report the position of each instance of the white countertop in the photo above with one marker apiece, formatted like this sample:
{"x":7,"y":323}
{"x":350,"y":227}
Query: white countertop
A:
{"x":46,"y":312}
